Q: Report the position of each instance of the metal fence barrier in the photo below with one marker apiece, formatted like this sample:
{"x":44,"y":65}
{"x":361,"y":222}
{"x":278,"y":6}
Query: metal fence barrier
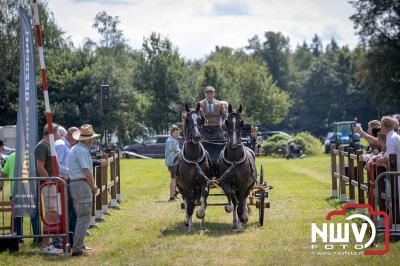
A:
{"x":48,"y":204}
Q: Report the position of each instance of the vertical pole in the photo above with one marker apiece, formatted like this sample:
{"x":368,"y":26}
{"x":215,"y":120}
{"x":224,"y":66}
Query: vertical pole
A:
{"x":104,"y":188}
{"x":371,"y":186}
{"x":343,"y":197}
{"x":114,"y":202}
{"x":333,"y":169}
{"x":99,"y":213}
{"x":49,"y":118}
{"x":360,"y":177}
{"x":118,"y":177}
{"x":351,"y":174}
{"x":92,"y":223}
{"x":394,"y":188}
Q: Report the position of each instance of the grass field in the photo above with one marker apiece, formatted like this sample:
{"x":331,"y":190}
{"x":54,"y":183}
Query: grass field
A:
{"x":148,"y":230}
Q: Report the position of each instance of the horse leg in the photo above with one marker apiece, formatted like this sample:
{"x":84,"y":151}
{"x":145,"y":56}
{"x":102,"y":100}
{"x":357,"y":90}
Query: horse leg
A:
{"x":228,"y":191}
{"x":189,"y":204}
{"x":201,"y":212}
{"x":236,"y":225}
{"x":243,"y":211}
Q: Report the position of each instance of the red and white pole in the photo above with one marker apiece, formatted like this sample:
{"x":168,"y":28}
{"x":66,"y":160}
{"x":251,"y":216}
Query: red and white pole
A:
{"x":45,"y":88}
{"x":54,"y":161}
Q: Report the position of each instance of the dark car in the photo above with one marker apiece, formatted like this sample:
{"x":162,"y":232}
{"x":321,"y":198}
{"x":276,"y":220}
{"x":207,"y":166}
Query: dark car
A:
{"x":153,"y":147}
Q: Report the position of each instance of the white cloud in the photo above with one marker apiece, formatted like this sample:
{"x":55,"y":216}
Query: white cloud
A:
{"x":196,"y":27}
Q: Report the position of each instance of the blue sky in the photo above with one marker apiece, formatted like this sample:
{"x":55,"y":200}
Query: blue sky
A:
{"x":197,"y":26}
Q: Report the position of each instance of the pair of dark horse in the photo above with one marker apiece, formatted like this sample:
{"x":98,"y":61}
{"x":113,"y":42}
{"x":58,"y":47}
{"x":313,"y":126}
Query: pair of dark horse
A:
{"x":193,"y":168}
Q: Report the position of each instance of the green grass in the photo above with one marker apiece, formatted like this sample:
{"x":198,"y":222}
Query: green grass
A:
{"x":148,"y":230}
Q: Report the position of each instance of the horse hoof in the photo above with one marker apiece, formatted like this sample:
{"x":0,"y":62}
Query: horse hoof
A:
{"x":186,"y":224}
{"x":228,"y":208}
{"x":200,"y":214}
{"x":237,"y":228}
{"x":244,"y":220}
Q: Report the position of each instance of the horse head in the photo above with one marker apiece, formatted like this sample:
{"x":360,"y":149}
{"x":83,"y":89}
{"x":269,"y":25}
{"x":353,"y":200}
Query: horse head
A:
{"x":194,"y":120}
{"x":234,"y":125}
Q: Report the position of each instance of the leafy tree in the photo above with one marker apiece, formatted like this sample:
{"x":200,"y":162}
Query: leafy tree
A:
{"x":378,"y":24}
{"x":274,"y":51}
{"x":9,"y":53}
{"x":316,"y":46}
{"x":107,"y":27}
{"x":241,"y":79}
{"x":160,"y":75}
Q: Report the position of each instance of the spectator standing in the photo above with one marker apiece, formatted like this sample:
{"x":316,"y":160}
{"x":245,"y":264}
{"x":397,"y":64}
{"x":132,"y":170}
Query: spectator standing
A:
{"x":82,"y":186}
{"x":63,"y":147}
{"x":171,"y":150}
{"x":44,"y":168}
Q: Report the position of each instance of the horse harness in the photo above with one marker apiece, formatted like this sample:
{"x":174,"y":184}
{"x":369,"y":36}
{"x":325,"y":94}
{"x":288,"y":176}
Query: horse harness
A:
{"x":232,"y":164}
{"x":197,"y":162}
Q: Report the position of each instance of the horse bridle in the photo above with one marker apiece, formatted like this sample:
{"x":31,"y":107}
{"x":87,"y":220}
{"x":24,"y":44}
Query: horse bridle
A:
{"x":239,"y":133}
{"x":190,"y":135}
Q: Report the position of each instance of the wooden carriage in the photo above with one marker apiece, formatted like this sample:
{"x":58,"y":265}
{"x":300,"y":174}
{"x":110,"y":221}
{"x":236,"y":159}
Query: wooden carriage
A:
{"x":258,"y":196}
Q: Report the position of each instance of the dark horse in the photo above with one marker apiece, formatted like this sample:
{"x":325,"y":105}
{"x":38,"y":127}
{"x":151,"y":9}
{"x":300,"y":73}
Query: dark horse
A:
{"x":193,"y":168}
{"x":237,"y":168}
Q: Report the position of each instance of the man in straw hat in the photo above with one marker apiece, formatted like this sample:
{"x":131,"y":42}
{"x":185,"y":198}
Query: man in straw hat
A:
{"x":82,"y":186}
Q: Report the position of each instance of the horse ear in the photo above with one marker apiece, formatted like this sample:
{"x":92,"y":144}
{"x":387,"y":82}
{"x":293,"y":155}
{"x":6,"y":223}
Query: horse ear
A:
{"x":240,"y":109}
{"x":198,"y":107}
{"x":187,"y":107}
{"x":230,"y":108}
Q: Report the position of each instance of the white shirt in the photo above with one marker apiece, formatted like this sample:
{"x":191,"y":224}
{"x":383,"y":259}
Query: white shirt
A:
{"x":393,"y":146}
{"x":62,"y":149}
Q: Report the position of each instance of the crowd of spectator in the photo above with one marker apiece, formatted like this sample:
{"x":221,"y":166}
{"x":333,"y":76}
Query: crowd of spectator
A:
{"x":76,"y":168}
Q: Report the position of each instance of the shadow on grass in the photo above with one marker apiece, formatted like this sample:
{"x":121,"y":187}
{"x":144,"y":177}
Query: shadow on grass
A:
{"x":213,"y":229}
{"x":38,"y":253}
{"x":335,"y":202}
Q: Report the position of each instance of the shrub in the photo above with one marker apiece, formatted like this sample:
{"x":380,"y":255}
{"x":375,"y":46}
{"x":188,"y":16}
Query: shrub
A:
{"x":276,"y":145}
{"x":310,"y":144}
{"x":279,"y":137}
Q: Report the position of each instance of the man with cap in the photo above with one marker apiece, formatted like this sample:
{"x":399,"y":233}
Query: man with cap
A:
{"x":215,"y":113}
{"x":82,"y":186}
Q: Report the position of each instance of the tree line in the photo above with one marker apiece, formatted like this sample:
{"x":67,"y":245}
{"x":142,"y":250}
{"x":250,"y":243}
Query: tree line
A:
{"x":301,"y":88}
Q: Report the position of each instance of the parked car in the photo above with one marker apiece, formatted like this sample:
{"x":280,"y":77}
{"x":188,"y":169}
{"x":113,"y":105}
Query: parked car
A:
{"x":153,"y":147}
{"x":267,"y":134}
